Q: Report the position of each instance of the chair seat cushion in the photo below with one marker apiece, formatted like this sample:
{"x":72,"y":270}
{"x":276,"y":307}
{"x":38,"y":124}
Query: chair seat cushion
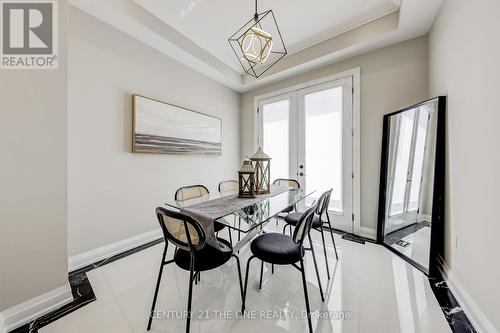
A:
{"x":276,"y":248}
{"x":218,"y":226}
{"x":287,"y":209}
{"x":294,"y":218}
{"x":205,"y":259}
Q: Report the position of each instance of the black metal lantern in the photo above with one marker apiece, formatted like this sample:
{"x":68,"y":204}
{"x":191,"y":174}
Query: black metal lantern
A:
{"x":246,"y":180}
{"x":262,"y":168}
{"x":258,"y":45}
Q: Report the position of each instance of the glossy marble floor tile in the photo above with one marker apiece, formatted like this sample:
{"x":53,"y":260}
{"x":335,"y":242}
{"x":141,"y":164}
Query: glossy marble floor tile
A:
{"x":371,"y":290}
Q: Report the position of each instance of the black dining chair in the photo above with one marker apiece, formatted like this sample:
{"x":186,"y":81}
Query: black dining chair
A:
{"x":281,"y":249}
{"x":318,"y":223}
{"x":190,"y":192}
{"x":197,"y":191}
{"x":192,"y":253}
{"x":291,"y":183}
{"x":286,"y":182}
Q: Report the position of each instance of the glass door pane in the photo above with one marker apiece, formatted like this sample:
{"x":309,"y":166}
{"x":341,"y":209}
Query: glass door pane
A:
{"x":323,"y":144}
{"x":402,"y":162}
{"x":276,"y":136}
{"x":308,"y":133}
{"x":418,"y":163}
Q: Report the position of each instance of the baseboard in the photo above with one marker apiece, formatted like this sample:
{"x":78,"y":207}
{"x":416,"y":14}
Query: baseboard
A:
{"x":101,"y":253}
{"x":23,"y":313}
{"x":424,"y":218}
{"x":369,"y":233}
{"x":470,"y":308}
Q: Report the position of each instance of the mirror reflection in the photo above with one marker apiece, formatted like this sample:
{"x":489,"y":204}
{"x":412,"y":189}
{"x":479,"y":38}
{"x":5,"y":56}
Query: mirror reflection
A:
{"x":410,"y":181}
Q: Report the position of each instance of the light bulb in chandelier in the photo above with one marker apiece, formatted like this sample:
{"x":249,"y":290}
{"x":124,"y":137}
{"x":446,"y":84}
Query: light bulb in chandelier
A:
{"x":256,"y":45}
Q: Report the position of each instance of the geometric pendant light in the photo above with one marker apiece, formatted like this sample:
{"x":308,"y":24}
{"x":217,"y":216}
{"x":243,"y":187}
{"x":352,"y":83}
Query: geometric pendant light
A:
{"x":258,"y":44}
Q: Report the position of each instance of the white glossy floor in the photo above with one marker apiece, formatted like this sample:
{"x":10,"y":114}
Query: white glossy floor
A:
{"x":377,"y":290}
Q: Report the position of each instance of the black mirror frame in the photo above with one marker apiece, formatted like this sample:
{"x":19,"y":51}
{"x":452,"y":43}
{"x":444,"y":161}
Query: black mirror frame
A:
{"x":436,"y":256}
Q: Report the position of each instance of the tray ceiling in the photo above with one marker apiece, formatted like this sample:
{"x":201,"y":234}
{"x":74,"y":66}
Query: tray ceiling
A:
{"x":209,"y":23}
{"x":316,"y":32}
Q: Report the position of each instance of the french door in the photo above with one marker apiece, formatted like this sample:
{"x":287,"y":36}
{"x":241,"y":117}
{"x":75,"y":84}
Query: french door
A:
{"x":308,"y":135}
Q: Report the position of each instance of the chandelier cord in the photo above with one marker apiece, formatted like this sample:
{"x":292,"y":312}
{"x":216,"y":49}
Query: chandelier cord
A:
{"x":256,"y":15}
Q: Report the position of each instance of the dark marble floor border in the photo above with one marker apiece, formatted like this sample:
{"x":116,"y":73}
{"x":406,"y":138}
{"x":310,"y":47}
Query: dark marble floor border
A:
{"x":453,"y":312}
{"x":81,"y":289}
{"x":395,"y":236}
{"x":83,"y":293}
{"x":353,"y":237}
{"x":118,"y":256}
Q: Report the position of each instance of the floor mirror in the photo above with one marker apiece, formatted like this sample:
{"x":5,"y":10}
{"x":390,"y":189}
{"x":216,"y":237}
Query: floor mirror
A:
{"x":411,"y":198}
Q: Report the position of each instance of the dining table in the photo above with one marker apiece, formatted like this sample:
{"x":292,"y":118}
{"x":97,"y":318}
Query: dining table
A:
{"x":247,"y":216}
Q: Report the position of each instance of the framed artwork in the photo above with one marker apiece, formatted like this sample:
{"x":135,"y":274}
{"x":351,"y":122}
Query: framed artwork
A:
{"x":159,"y":127}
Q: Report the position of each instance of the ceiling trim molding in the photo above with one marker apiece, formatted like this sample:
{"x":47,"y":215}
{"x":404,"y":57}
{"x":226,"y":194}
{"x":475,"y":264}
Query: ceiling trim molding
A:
{"x":351,"y":24}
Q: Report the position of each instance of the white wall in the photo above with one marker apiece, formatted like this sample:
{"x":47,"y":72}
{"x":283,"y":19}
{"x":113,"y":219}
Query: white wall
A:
{"x":391,"y":78}
{"x":33,"y":179}
{"x":464,"y":59}
{"x":112,"y":192}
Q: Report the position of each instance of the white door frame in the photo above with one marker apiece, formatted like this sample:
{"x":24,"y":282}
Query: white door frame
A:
{"x":355,"y":73}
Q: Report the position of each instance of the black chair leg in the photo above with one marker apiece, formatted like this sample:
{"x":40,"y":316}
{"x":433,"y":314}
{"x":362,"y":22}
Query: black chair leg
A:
{"x":316,"y":268}
{"x":306,"y":296}
{"x":284,"y":227}
{"x":190,"y":297}
{"x":272,"y":268}
{"x":239,"y":275}
{"x":230,"y":237}
{"x":324,"y":250}
{"x":157,"y":286}
{"x":246,"y":283}
{"x":261,"y":272}
{"x":331,"y":234}
{"x":239,"y":230}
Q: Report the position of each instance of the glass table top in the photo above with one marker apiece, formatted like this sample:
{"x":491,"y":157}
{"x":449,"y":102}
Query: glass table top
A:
{"x":252,"y":216}
{"x":248,"y":218}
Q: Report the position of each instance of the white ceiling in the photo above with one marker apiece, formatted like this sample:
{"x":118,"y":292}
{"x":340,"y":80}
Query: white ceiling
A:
{"x":316,"y":32}
{"x":302,"y":23}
